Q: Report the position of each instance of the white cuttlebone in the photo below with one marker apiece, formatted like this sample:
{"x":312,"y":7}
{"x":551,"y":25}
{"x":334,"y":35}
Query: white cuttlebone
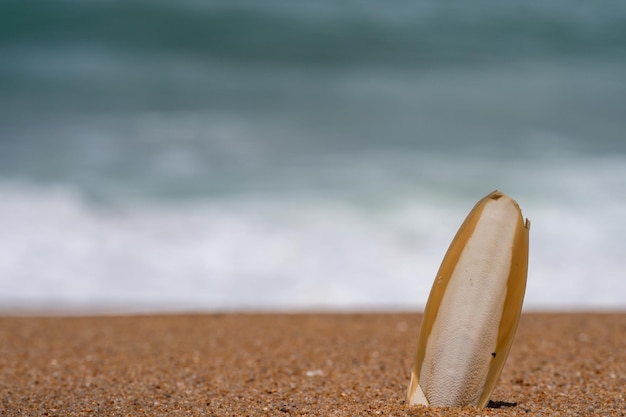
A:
{"x":466,"y":322}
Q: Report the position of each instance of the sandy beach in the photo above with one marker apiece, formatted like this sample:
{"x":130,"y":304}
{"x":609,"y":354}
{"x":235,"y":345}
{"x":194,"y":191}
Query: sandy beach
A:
{"x":290,"y":364}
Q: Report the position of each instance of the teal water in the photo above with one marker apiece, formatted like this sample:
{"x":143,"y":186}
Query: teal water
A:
{"x":291,"y":154}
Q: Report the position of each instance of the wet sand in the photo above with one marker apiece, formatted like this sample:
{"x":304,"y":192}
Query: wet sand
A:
{"x":290,"y":364}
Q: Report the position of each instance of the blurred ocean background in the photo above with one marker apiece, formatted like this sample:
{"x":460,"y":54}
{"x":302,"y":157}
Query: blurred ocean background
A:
{"x":303,"y":155}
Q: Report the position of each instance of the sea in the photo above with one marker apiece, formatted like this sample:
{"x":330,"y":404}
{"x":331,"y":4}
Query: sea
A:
{"x":292,"y":155}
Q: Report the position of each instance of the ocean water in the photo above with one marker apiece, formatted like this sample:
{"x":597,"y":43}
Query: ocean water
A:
{"x":303,"y":155}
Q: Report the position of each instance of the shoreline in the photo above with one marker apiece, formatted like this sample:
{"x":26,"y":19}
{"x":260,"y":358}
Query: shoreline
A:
{"x":280,"y":364}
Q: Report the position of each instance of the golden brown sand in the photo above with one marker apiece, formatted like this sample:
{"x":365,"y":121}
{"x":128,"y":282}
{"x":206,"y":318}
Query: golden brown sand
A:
{"x":291,"y":365}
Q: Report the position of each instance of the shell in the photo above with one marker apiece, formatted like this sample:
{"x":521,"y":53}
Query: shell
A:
{"x":473,"y":309}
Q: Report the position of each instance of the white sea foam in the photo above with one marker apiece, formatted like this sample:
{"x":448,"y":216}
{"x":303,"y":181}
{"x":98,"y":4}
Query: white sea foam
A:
{"x":299,"y":251}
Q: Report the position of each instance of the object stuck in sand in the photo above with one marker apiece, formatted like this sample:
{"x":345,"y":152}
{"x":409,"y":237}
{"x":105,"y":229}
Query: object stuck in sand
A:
{"x":473,"y":309}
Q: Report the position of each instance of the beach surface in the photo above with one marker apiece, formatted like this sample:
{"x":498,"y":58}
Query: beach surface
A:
{"x":290,"y":364}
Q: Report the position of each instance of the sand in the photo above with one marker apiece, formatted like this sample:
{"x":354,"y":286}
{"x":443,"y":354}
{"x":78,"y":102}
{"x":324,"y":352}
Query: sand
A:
{"x":290,"y":365}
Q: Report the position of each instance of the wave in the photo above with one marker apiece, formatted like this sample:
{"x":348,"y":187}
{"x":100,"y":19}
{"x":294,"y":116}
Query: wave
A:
{"x":305,"y":250}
